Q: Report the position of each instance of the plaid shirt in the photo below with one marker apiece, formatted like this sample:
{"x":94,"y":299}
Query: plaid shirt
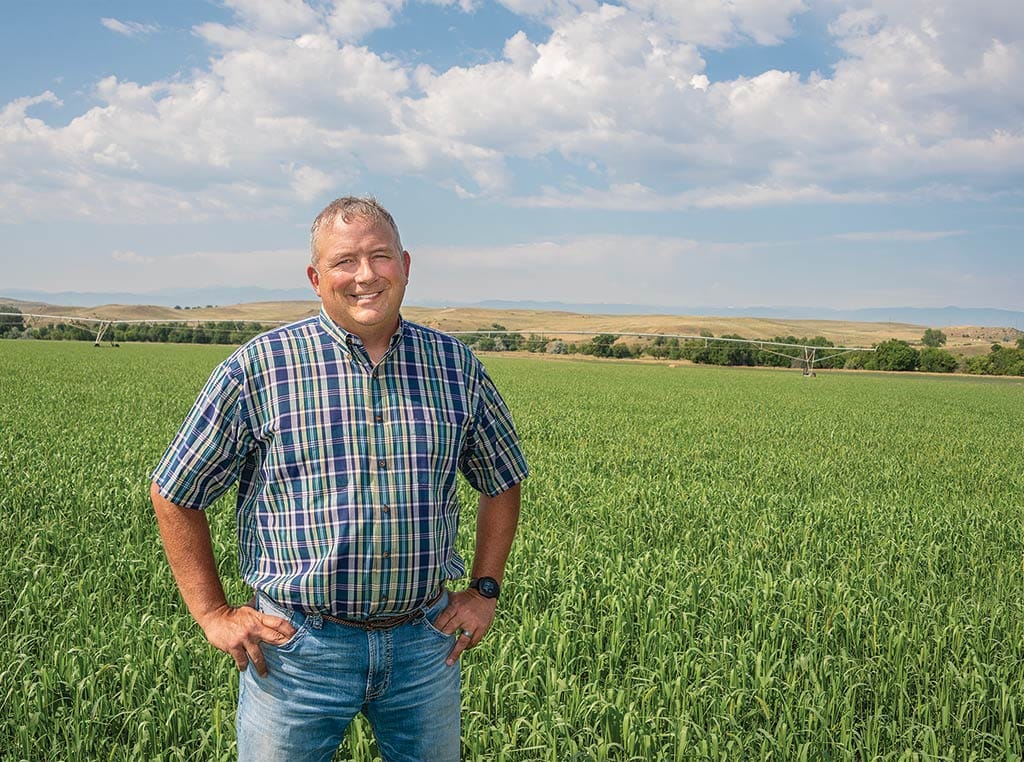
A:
{"x":347,"y":472}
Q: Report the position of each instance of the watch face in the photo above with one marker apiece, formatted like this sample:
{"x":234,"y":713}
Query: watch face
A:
{"x":488,"y":587}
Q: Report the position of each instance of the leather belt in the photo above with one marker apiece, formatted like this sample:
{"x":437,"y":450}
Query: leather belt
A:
{"x":384,"y":623}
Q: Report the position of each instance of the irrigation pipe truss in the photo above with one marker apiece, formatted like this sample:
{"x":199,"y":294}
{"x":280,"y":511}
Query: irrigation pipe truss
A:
{"x":810,"y":358}
{"x":102,"y":324}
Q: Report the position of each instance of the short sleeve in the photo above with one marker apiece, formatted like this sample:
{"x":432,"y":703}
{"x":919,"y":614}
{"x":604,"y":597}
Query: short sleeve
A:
{"x":205,"y":456}
{"x":492,"y":459}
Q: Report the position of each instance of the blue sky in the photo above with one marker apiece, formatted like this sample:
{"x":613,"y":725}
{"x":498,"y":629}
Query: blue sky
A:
{"x":763,"y":152}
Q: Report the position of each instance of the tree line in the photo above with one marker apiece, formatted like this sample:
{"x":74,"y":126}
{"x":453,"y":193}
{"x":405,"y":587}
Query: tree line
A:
{"x":891,"y":355}
{"x":214,"y":332}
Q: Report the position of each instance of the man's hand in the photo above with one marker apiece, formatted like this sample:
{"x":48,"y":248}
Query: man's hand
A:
{"x":469,"y":615}
{"x":239,"y":630}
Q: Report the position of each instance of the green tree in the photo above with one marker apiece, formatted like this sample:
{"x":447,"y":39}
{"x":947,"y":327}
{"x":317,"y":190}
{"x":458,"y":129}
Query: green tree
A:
{"x":979,"y":365}
{"x":933,"y":337}
{"x":658,"y":347}
{"x":935,"y":360}
{"x":557,"y":347}
{"x":1005,"y":362}
{"x":536,"y":343}
{"x":855,"y":360}
{"x":727,"y":352}
{"x":601,"y":345}
{"x":774,"y":358}
{"x":11,"y":326}
{"x":896,"y":355}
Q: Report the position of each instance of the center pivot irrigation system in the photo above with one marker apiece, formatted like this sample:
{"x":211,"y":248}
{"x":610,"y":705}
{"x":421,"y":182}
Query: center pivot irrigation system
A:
{"x":808,"y":361}
{"x":102,"y":325}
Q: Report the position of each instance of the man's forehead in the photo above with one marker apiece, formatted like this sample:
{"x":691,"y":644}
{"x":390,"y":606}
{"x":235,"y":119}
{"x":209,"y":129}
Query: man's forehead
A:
{"x":358,"y":222}
{"x":360,"y":230}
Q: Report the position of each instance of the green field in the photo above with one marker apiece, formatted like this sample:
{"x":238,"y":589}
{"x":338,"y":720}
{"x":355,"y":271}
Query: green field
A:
{"x":712,"y":564}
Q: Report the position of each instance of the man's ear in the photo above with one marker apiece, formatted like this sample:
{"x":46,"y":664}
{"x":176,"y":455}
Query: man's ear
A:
{"x":314,"y":278}
{"x":406,"y":259}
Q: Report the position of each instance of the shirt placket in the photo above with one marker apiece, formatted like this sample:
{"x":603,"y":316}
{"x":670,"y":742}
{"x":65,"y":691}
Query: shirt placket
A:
{"x":382,"y":466}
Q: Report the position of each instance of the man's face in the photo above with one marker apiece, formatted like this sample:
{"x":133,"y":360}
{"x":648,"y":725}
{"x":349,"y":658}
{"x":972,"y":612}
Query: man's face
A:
{"x":360,"y":277}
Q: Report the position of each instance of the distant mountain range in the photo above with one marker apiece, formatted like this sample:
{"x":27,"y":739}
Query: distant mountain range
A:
{"x":925,"y":316}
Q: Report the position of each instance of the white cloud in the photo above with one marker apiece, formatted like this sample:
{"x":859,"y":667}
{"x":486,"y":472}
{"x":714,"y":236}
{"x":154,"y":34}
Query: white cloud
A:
{"x":614,"y":104}
{"x":350,"y":20}
{"x":636,"y":197}
{"x":131,"y":257}
{"x":128,"y":28}
{"x":604,"y":84}
{"x":699,"y":82}
{"x":276,"y":17}
{"x":722,"y":24}
{"x":309,"y":183}
{"x":910,"y":236}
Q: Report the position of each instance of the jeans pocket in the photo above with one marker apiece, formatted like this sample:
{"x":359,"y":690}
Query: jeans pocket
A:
{"x":430,"y":615}
{"x":266,"y":605}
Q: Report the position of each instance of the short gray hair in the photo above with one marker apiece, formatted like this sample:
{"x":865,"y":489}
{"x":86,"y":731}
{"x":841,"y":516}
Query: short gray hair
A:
{"x":350,"y":208}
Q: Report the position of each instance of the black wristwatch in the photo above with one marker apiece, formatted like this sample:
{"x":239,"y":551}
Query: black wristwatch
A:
{"x":488,"y":587}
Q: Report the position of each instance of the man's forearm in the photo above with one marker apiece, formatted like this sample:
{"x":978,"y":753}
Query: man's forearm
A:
{"x":496,"y":521}
{"x":189,"y":549}
{"x":468,"y":612}
{"x":236,"y":631}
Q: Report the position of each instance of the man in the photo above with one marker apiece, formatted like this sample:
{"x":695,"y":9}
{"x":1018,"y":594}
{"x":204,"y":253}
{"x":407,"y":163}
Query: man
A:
{"x":344,"y":433}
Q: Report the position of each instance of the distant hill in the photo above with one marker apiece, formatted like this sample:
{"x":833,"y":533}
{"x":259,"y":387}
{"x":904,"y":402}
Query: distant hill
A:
{"x":192,"y":297}
{"x":923,"y":316}
{"x":561,"y":323}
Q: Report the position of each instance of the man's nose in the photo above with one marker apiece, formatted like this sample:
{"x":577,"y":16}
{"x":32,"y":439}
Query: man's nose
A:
{"x":365,"y":273}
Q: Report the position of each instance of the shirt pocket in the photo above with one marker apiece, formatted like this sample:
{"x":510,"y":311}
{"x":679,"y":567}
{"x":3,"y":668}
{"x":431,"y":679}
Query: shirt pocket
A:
{"x":436,"y":438}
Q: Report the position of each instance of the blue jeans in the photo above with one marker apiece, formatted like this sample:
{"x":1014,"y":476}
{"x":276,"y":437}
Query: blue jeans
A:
{"x":327,"y":672}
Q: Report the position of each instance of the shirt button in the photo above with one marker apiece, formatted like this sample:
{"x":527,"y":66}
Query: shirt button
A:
{"x":386,"y":508}
{"x":384,"y":599}
{"x":378,"y":418}
{"x":385,"y":554}
{"x":382,"y":464}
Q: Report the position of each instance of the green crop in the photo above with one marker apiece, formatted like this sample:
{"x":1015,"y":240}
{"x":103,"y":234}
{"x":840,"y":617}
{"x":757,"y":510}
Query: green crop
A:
{"x":711,"y":564}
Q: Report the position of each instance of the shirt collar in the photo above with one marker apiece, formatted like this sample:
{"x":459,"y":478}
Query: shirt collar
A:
{"x":348,"y":341}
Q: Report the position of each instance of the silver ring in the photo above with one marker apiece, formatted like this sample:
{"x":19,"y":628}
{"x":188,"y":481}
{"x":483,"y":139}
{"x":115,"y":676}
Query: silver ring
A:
{"x":467,"y":634}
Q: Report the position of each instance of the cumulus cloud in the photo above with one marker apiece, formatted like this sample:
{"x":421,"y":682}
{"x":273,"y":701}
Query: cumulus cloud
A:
{"x":719,"y":25}
{"x":128,"y":28}
{"x":612,"y":102}
{"x":350,"y":20}
{"x":309,"y":183}
{"x":275,"y":17}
